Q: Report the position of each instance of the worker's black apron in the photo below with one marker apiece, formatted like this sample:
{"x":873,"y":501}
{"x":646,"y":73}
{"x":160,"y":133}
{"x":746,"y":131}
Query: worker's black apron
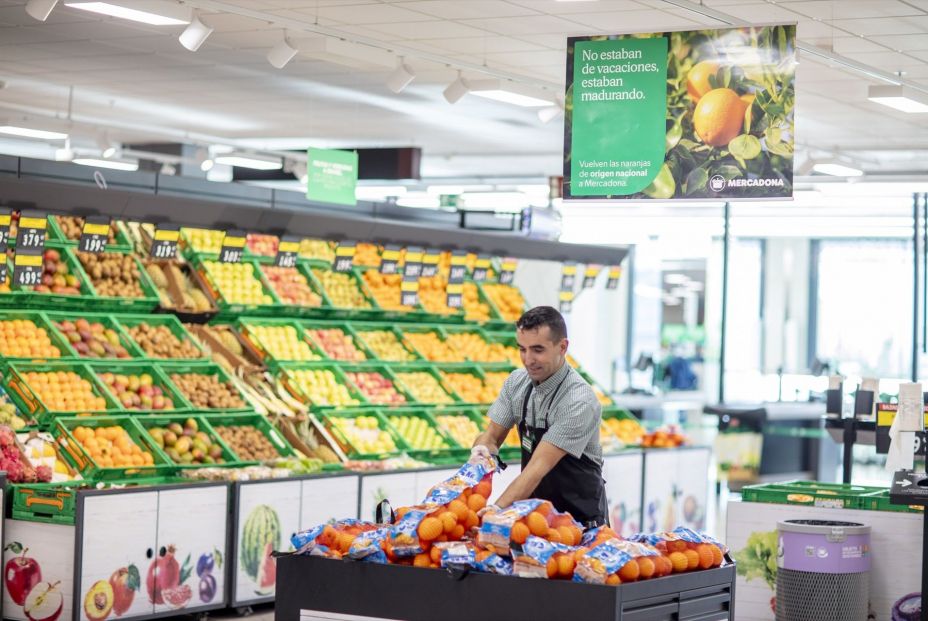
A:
{"x":573,"y":485}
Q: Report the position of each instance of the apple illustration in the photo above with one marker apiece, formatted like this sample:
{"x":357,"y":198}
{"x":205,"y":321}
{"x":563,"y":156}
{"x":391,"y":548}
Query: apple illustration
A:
{"x":44,"y":602}
{"x":20,"y":573}
{"x":125,"y":582}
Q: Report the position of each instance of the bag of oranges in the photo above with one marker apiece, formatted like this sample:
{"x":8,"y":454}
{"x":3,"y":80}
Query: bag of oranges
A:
{"x":685,"y":549}
{"x":602,"y":563}
{"x":489,"y":562}
{"x":540,"y":558}
{"x":333,"y":540}
{"x":455,"y":554}
{"x":515,"y":523}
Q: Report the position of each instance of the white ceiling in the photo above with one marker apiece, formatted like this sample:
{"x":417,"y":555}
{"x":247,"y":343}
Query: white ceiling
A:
{"x":142,"y":84}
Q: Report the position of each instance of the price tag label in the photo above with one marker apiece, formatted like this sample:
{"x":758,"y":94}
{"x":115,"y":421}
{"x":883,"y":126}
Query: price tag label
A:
{"x":233,"y":247}
{"x":164,"y":244}
{"x":27,"y":269}
{"x":95,"y":234}
{"x":6,"y":218}
{"x":344,"y":256}
{"x":589,"y":276}
{"x":413,"y":268}
{"x":507,"y":271}
{"x":32,"y":229}
{"x":612,"y":282}
{"x":287,"y":252}
{"x":481,"y":268}
{"x":430,"y":262}
{"x":409,"y":292}
{"x":454,"y":292}
{"x":389,"y":259}
{"x":566,"y":299}
{"x":568,"y":276}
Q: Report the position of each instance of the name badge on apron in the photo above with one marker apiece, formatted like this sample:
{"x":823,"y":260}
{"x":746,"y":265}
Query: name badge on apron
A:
{"x":528,"y":441}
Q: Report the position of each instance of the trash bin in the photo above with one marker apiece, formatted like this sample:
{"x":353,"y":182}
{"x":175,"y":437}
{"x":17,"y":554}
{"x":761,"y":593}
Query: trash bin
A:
{"x":823,"y":571}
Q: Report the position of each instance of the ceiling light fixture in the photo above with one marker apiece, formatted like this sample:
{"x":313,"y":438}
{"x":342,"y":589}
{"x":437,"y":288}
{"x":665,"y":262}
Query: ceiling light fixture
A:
{"x":128,"y":165}
{"x":195,"y":34}
{"x":207,"y":165}
{"x":837,"y":169}
{"x":548,"y":114}
{"x":456,"y":90}
{"x":122,"y":12}
{"x":250,"y":161}
{"x":28,"y":132}
{"x":507,"y":92}
{"x":281,"y":54}
{"x":401,"y":77}
{"x":40,"y":9}
{"x":899,"y":98}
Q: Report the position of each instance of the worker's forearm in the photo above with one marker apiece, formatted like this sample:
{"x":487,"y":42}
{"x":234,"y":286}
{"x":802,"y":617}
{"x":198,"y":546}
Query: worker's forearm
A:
{"x":522,"y":487}
{"x":486,"y":439}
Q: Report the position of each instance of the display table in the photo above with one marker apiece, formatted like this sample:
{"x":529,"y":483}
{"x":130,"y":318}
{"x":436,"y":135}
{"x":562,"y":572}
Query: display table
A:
{"x":896,"y":539}
{"x":317,"y":589}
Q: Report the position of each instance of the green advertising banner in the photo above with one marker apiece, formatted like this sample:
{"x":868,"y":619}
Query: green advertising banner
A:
{"x":332,"y":175}
{"x":705,"y":114}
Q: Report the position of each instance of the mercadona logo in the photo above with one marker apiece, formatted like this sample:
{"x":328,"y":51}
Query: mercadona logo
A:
{"x":717,"y":183}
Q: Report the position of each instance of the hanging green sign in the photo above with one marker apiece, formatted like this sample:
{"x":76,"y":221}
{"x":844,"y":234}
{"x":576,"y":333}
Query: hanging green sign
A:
{"x":332,"y":175}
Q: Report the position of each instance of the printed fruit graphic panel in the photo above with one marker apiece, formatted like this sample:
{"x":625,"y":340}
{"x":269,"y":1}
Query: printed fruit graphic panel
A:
{"x":192,"y":531}
{"x":266,"y":513}
{"x":120,"y":557}
{"x":38,"y":571}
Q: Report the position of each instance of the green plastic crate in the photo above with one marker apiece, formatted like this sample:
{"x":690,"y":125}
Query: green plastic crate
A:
{"x":386,"y":372}
{"x":106,"y":320}
{"x":467,"y":412}
{"x":414,"y":313}
{"x":227,"y":309}
{"x":171,"y":322}
{"x":498,"y":322}
{"x":289,"y":376}
{"x":231,"y":460}
{"x":439,"y":331}
{"x":292,"y":310}
{"x":158,"y":379}
{"x":312,"y":272}
{"x":147,"y":303}
{"x":422,"y":368}
{"x":349,"y":447}
{"x":26,"y":297}
{"x":360,"y":329}
{"x":502,"y":360}
{"x":509,"y":340}
{"x":308,"y":332}
{"x":879,"y":501}
{"x":122,"y":243}
{"x":204,"y":368}
{"x":808,"y":493}
{"x":451,"y":448}
{"x":79,"y":458}
{"x":244,"y":326}
{"x":29,"y":403}
{"x":51,"y":503}
{"x":466,"y":369}
{"x":258,"y":421}
{"x":41,"y":321}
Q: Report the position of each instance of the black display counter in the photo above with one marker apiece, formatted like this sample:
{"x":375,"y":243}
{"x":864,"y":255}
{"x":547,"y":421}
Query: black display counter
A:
{"x":316,"y":588}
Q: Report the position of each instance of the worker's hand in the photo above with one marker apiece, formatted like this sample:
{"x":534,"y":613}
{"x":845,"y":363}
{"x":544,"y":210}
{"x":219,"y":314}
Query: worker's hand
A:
{"x":488,"y":509}
{"x":480,"y":451}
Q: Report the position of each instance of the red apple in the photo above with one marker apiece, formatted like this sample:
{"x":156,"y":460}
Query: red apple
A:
{"x":20,"y":573}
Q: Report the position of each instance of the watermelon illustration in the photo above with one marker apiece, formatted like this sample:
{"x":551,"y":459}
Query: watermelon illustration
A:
{"x":261,"y":531}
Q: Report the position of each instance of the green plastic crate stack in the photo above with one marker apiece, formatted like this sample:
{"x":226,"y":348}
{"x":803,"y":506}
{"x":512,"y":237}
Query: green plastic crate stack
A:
{"x":120,"y":243}
{"x":46,"y":399}
{"x":364,"y":434}
{"x":161,"y":337}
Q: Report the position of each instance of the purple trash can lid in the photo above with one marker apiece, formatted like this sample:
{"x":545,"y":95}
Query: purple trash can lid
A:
{"x":824,"y":546}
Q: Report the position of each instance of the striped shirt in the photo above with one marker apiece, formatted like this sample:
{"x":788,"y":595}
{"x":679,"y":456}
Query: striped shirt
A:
{"x":573,"y":418}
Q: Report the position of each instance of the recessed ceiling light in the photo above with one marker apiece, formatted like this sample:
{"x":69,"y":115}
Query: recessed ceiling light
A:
{"x":899,"y":97}
{"x":837,"y":170}
{"x":507,"y":93}
{"x":250,"y":161}
{"x":122,"y":12}
{"x":128,"y":165}
{"x":206,"y":165}
{"x":28,"y":132}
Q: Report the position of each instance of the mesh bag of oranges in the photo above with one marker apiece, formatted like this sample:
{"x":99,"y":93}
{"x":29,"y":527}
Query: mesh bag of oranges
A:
{"x":523,"y":518}
{"x":334,"y":540}
{"x":685,"y":549}
{"x":540,"y":558}
{"x":608,"y":559}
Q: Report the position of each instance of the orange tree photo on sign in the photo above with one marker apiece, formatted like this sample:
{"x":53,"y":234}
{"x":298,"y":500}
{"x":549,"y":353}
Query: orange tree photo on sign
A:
{"x":705,"y":114}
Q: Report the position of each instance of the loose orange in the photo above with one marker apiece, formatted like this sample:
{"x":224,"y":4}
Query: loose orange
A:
{"x":629,"y":571}
{"x":430,"y":528}
{"x":646,"y":567}
{"x":537,"y":524}
{"x":692,"y":559}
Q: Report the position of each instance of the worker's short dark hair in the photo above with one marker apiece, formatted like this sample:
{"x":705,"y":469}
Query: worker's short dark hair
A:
{"x":539,"y":316}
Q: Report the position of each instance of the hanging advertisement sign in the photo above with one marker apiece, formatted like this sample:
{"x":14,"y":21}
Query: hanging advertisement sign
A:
{"x":706,"y":114}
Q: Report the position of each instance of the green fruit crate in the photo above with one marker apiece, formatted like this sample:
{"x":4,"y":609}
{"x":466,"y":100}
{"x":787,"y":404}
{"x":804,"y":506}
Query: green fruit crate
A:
{"x":423,"y":367}
{"x":497,"y":322}
{"x":188,"y":248}
{"x":420,"y":328}
{"x":451,"y":449}
{"x":258,"y":421}
{"x":75,"y":453}
{"x":879,"y":501}
{"x":26,"y":297}
{"x":145,"y":304}
{"x":40,"y":320}
{"x":809,"y":493}
{"x":205,"y":368}
{"x":244,"y":327}
{"x":158,"y":378}
{"x":230,"y":459}
{"x":387,"y":373}
{"x":122,"y":243}
{"x":360,"y":329}
{"x":287,"y":309}
{"x":52,"y":503}
{"x":510,"y":453}
{"x":289,"y":371}
{"x":466,"y":369}
{"x":126,"y":322}
{"x":203,"y":264}
{"x":507,"y":340}
{"x":349,"y":448}
{"x":308,"y":333}
{"x":106,"y":320}
{"x":414,"y":313}
{"x":371,"y":311}
{"x":26,"y":401}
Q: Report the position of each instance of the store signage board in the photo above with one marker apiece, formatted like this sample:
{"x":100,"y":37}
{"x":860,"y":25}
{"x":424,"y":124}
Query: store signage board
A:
{"x":344,"y":256}
{"x":27,"y":269}
{"x":164,"y":243}
{"x":706,"y":114}
{"x":31,"y":235}
{"x":95,"y":234}
{"x":233,"y":246}
{"x":287,"y":252}
{"x":332,"y":176}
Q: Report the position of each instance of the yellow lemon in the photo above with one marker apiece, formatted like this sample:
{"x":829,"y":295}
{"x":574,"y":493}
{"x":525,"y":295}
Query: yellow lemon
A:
{"x":697,"y":80}
{"x":719,"y":116}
